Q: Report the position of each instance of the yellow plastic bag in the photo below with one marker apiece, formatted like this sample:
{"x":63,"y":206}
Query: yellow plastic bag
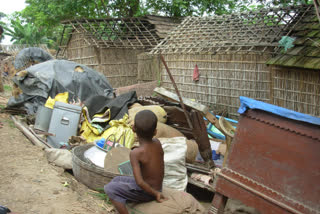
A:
{"x":119,"y":128}
{"x":122,"y":132}
{"x":61,"y":97}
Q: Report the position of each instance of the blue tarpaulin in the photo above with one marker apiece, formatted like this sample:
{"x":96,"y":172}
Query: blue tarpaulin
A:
{"x":248,"y":103}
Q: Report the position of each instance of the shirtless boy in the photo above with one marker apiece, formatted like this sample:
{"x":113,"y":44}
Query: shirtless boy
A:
{"x":147,"y":164}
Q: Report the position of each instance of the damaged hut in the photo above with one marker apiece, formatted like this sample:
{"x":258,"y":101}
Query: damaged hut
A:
{"x":214,"y":60}
{"x":295,"y":72}
{"x":112,"y":45}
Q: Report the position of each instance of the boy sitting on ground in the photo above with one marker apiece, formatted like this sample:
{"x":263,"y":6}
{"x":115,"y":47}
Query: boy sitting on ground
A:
{"x":147,"y":164}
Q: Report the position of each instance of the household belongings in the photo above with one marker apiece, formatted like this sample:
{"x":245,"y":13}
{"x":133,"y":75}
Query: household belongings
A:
{"x":101,"y":113}
{"x":117,"y":160}
{"x":64,"y":123}
{"x":175,"y":175}
{"x":218,"y":152}
{"x":43,"y":118}
{"x":216,"y":133}
{"x":97,"y":153}
{"x":178,"y":202}
{"x":87,"y":173}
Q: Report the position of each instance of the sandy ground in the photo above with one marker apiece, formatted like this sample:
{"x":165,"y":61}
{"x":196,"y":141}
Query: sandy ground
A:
{"x":29,"y":184}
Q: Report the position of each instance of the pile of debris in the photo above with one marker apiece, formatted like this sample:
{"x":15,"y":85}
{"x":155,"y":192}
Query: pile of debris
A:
{"x":83,"y":125}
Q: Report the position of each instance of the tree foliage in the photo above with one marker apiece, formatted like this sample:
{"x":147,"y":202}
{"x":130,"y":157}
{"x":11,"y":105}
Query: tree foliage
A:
{"x":25,"y":33}
{"x":46,"y":15}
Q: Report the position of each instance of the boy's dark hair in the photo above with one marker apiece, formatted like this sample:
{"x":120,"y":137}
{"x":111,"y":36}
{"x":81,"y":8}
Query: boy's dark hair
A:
{"x":145,"y":123}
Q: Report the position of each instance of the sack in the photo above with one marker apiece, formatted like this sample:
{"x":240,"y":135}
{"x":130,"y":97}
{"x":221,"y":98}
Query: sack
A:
{"x":59,"y":157}
{"x":157,"y":110}
{"x":175,"y":171}
{"x":166,"y":131}
{"x":192,"y":151}
{"x":178,"y":202}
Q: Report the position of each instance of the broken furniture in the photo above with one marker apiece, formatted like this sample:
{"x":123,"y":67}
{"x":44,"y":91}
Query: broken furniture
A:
{"x":274,"y":162}
{"x":198,"y":128}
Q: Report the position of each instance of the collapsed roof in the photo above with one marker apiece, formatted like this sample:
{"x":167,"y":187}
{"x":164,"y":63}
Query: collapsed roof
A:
{"x":136,"y":33}
{"x":305,"y":52}
{"x":252,"y":31}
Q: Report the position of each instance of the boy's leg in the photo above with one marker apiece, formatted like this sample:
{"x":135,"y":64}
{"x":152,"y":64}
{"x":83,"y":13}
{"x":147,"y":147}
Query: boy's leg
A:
{"x":111,"y":190}
{"x":120,"y":207}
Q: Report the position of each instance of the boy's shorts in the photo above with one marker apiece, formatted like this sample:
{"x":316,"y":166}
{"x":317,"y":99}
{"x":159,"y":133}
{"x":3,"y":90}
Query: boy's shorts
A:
{"x":125,"y":188}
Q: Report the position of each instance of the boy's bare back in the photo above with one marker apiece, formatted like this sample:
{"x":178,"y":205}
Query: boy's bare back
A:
{"x":149,"y":158}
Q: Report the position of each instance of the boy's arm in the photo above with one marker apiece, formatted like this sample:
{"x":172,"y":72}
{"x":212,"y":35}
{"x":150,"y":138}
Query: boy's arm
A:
{"x":134,"y":154}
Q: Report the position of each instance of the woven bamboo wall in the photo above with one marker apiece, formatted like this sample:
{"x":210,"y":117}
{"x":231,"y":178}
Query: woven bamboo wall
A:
{"x":297,"y":89}
{"x":79,"y":51}
{"x":223,"y":78}
{"x":148,"y":67}
{"x":119,"y":65}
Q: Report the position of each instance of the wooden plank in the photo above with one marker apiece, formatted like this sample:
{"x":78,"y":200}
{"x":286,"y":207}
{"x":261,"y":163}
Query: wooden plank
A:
{"x":172,"y":96}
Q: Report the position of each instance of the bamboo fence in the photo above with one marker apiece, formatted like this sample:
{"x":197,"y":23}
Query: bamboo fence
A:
{"x":148,"y":67}
{"x":296,"y":89}
{"x":231,"y":53}
{"x":223,"y":78}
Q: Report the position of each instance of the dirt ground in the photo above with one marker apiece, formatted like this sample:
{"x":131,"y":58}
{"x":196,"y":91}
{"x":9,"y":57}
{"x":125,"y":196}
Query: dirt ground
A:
{"x":30,"y":185}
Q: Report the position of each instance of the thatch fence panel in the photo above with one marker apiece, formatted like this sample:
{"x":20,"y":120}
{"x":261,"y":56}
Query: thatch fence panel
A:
{"x":223,"y":78}
{"x":298,"y":90}
{"x":149,"y":67}
{"x":79,"y":51}
{"x":120,"y":66}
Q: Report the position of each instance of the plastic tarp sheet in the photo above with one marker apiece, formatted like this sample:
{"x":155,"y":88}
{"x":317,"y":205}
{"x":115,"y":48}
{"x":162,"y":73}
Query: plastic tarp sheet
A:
{"x":32,"y":54}
{"x":57,"y":76}
{"x":248,"y":103}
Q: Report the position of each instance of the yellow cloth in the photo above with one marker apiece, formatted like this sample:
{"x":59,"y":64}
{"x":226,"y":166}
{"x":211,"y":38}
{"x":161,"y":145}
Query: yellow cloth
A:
{"x":61,"y":97}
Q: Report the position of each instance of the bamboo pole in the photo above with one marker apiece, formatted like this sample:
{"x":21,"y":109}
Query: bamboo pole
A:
{"x":33,"y":139}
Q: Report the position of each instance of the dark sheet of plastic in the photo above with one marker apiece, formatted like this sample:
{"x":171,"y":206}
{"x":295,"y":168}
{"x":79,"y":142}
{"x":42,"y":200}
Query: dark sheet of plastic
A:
{"x":118,"y":106}
{"x":56,"y":76}
{"x":32,"y":54}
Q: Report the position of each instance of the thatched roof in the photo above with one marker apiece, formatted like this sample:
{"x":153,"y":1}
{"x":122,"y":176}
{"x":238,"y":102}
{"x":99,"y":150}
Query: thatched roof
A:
{"x":306,"y":50}
{"x":136,"y":33}
{"x":253,"y":31}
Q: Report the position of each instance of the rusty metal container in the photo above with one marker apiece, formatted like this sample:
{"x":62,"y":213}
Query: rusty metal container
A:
{"x":273,"y":164}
